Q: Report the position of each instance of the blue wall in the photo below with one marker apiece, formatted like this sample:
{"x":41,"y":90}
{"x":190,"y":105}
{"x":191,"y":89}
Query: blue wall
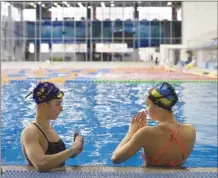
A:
{"x":144,"y":33}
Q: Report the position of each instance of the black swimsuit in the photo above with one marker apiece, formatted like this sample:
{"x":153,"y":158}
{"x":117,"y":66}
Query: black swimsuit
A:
{"x":53,"y":147}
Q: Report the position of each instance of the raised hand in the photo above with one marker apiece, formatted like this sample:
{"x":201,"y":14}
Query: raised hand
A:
{"x":137,"y":122}
{"x":78,"y":144}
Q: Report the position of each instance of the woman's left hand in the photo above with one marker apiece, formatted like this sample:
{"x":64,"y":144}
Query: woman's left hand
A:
{"x":137,"y":122}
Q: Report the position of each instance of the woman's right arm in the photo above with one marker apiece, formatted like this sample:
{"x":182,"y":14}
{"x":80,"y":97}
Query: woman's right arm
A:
{"x":37,"y":156}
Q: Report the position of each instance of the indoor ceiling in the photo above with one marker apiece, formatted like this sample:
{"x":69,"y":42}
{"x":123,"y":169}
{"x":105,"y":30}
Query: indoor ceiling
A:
{"x":49,"y":4}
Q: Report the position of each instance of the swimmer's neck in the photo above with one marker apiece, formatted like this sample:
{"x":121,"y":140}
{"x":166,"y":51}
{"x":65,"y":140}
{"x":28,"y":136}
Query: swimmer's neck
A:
{"x":167,"y":118}
{"x":42,"y":121}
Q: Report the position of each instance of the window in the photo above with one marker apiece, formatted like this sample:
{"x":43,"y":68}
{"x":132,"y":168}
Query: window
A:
{"x":69,"y":48}
{"x":31,"y":48}
{"x":111,"y":47}
{"x":4,"y":8}
{"x":15,"y":13}
{"x":72,"y":12}
{"x":158,"y":13}
{"x":179,"y":14}
{"x":44,"y":48}
{"x":113,"y":13}
{"x":29,"y":14}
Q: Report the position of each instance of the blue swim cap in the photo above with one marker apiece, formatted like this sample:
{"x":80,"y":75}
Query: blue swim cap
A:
{"x":46,"y":91}
{"x":163,"y":95}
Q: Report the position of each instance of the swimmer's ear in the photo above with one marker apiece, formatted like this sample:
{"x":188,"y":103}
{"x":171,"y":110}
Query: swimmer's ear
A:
{"x":156,"y":106}
{"x":45,"y":104}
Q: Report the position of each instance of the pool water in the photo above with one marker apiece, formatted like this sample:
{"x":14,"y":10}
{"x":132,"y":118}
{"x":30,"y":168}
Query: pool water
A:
{"x":101,"y":112}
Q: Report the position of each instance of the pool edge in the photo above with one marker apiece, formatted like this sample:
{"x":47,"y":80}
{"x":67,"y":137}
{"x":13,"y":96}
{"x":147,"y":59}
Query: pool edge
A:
{"x":113,"y":169}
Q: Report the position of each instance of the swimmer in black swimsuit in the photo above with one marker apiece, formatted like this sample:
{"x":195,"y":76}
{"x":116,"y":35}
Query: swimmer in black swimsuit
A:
{"x":41,"y":145}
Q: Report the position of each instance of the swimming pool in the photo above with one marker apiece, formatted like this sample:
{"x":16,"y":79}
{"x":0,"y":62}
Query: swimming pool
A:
{"x":101,"y":112}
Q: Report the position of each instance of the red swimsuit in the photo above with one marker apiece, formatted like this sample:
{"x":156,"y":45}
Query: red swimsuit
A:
{"x":156,"y":159}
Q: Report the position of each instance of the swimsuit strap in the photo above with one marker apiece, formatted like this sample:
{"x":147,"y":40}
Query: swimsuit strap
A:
{"x":41,"y":131}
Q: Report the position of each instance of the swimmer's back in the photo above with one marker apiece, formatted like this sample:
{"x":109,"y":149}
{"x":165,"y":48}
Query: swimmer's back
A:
{"x":161,"y":135}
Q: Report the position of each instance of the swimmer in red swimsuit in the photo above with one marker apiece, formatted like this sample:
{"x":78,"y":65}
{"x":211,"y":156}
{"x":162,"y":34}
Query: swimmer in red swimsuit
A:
{"x":169,"y":143}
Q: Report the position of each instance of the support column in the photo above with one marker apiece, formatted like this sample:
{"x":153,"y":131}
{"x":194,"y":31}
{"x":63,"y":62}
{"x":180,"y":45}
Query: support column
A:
{"x":174,"y":13}
{"x":135,"y":40}
{"x":89,"y":26}
{"x":94,"y":13}
{"x":37,"y":32}
{"x":11,"y":36}
{"x":136,"y":12}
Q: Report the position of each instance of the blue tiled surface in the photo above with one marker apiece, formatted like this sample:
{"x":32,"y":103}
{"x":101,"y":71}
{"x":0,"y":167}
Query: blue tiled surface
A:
{"x":63,"y":174}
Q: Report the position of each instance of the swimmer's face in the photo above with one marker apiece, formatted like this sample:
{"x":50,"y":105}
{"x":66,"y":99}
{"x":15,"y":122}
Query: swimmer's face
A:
{"x":53,"y":108}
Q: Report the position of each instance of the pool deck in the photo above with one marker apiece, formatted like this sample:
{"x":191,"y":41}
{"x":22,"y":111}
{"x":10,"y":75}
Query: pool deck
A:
{"x":113,"y":169}
{"x":100,"y":72}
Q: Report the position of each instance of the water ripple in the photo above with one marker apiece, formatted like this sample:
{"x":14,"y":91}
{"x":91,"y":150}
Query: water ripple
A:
{"x":102,"y":112}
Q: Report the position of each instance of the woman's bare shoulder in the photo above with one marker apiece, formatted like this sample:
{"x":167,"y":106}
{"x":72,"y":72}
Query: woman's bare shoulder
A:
{"x":189,"y":127}
{"x":152,"y":130}
{"x":29,"y":130}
